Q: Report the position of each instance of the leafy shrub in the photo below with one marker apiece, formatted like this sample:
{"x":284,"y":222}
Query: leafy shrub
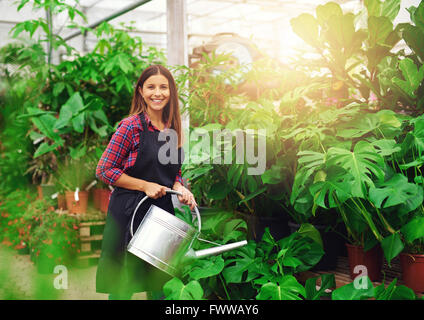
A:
{"x":56,"y":238}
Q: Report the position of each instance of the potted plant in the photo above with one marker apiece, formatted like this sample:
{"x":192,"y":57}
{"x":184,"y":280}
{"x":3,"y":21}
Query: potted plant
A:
{"x":42,"y":169}
{"x":74,"y":175}
{"x":341,"y":179}
{"x":400,"y":198}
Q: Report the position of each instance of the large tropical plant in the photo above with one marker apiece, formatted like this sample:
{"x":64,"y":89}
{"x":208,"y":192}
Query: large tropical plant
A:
{"x":359,"y":52}
{"x":71,"y":100}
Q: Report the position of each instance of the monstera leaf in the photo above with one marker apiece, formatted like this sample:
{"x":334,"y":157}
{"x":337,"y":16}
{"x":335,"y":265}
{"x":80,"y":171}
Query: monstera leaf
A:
{"x":285,"y":288}
{"x":363,"y":163}
{"x":310,"y":161}
{"x":397,"y":190}
{"x":414,"y":229}
{"x":175,"y":289}
{"x":244,"y":267}
{"x":204,"y":268}
{"x":333,"y":189}
{"x":328,"y":281}
{"x":352,"y":292}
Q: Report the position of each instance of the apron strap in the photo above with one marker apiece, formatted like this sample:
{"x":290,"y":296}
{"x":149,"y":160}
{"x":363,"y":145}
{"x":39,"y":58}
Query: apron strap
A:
{"x":144,"y":133}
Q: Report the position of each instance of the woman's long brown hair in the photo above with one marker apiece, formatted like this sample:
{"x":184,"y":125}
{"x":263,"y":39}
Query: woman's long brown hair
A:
{"x":171,"y":113}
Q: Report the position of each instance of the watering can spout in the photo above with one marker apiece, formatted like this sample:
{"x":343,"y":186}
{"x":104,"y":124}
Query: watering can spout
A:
{"x":214,"y":250}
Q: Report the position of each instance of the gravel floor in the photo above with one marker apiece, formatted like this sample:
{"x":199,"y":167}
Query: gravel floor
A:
{"x":19,"y":280}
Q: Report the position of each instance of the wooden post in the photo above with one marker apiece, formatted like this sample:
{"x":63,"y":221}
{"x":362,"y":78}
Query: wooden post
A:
{"x":177,"y":46}
{"x":177,"y":52}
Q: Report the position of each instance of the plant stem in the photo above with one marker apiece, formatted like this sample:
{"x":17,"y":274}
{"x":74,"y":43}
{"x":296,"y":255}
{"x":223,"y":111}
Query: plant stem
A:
{"x":364,"y":212}
{"x":225,"y":287}
{"x":242,"y":198}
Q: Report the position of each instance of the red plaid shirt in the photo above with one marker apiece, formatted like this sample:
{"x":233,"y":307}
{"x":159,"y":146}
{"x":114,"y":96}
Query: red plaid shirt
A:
{"x":121,"y":152}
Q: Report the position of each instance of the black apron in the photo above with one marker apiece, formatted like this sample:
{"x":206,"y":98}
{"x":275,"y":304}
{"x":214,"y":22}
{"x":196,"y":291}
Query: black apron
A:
{"x":118,"y":270}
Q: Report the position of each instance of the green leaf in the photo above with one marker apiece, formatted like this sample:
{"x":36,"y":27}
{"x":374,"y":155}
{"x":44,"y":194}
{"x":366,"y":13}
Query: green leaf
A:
{"x":58,"y":88}
{"x":403,"y":293}
{"x":204,"y":268}
{"x":327,"y":282}
{"x":78,"y":122}
{"x":272,"y":175}
{"x":245,"y":266}
{"x":334,"y":189}
{"x":77,"y":153}
{"x":414,"y":38}
{"x":418,"y":16}
{"x":326,"y":11}
{"x":46,"y":124}
{"x":412,"y":75}
{"x":308,"y":230}
{"x":253,"y":195}
{"x":363,"y":163}
{"x":397,"y":190}
{"x":219,"y":190}
{"x":359,"y":127}
{"x":379,"y":29}
{"x":124,"y":62}
{"x":45,"y":148}
{"x":65,"y":116}
{"x":386,"y":147}
{"x":295,"y":248}
{"x":234,"y":174}
{"x":349,"y":292}
{"x":392,"y":246}
{"x":393,"y":292}
{"x":306,"y":27}
{"x":175,"y":289}
{"x":285,"y":288}
{"x":341,"y":33}
{"x":387,"y":8}
{"x":414,"y":229}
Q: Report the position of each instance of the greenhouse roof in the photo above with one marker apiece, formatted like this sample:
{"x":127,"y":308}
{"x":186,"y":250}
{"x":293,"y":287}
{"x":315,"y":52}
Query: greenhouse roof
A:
{"x":264,"y":22}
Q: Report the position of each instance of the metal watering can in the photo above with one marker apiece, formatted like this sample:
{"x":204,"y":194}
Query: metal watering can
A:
{"x":165,"y":241}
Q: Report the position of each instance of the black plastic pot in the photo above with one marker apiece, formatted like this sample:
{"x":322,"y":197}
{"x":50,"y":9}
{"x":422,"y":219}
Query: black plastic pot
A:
{"x":333,"y":247}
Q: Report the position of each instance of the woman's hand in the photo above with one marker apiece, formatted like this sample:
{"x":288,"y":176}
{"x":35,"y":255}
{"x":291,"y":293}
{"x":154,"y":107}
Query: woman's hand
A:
{"x":154,"y":190}
{"x":187,"y":197}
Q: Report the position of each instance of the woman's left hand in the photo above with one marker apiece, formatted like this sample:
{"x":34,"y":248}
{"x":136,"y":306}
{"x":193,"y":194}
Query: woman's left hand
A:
{"x":187,"y":197}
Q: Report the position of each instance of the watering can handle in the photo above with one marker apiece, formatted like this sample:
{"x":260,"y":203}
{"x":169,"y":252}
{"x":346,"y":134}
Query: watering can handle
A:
{"x":168,"y":191}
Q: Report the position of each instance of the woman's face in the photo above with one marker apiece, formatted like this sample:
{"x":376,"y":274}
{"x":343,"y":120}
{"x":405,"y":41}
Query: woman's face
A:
{"x":155,"y":92}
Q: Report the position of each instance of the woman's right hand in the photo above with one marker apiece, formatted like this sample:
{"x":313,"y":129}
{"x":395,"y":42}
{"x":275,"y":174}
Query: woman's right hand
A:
{"x":154,"y":190}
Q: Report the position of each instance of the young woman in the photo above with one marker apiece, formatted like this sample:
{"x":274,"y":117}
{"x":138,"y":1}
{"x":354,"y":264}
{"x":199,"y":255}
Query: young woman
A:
{"x":131,"y":163}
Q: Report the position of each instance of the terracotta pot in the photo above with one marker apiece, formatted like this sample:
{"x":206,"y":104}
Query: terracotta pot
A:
{"x":40,"y":193}
{"x":76,"y":207}
{"x":61,"y":202}
{"x":104,"y":199}
{"x":371,"y":259}
{"x":413,"y":271}
{"x":45,"y":191}
{"x":96,"y":198}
